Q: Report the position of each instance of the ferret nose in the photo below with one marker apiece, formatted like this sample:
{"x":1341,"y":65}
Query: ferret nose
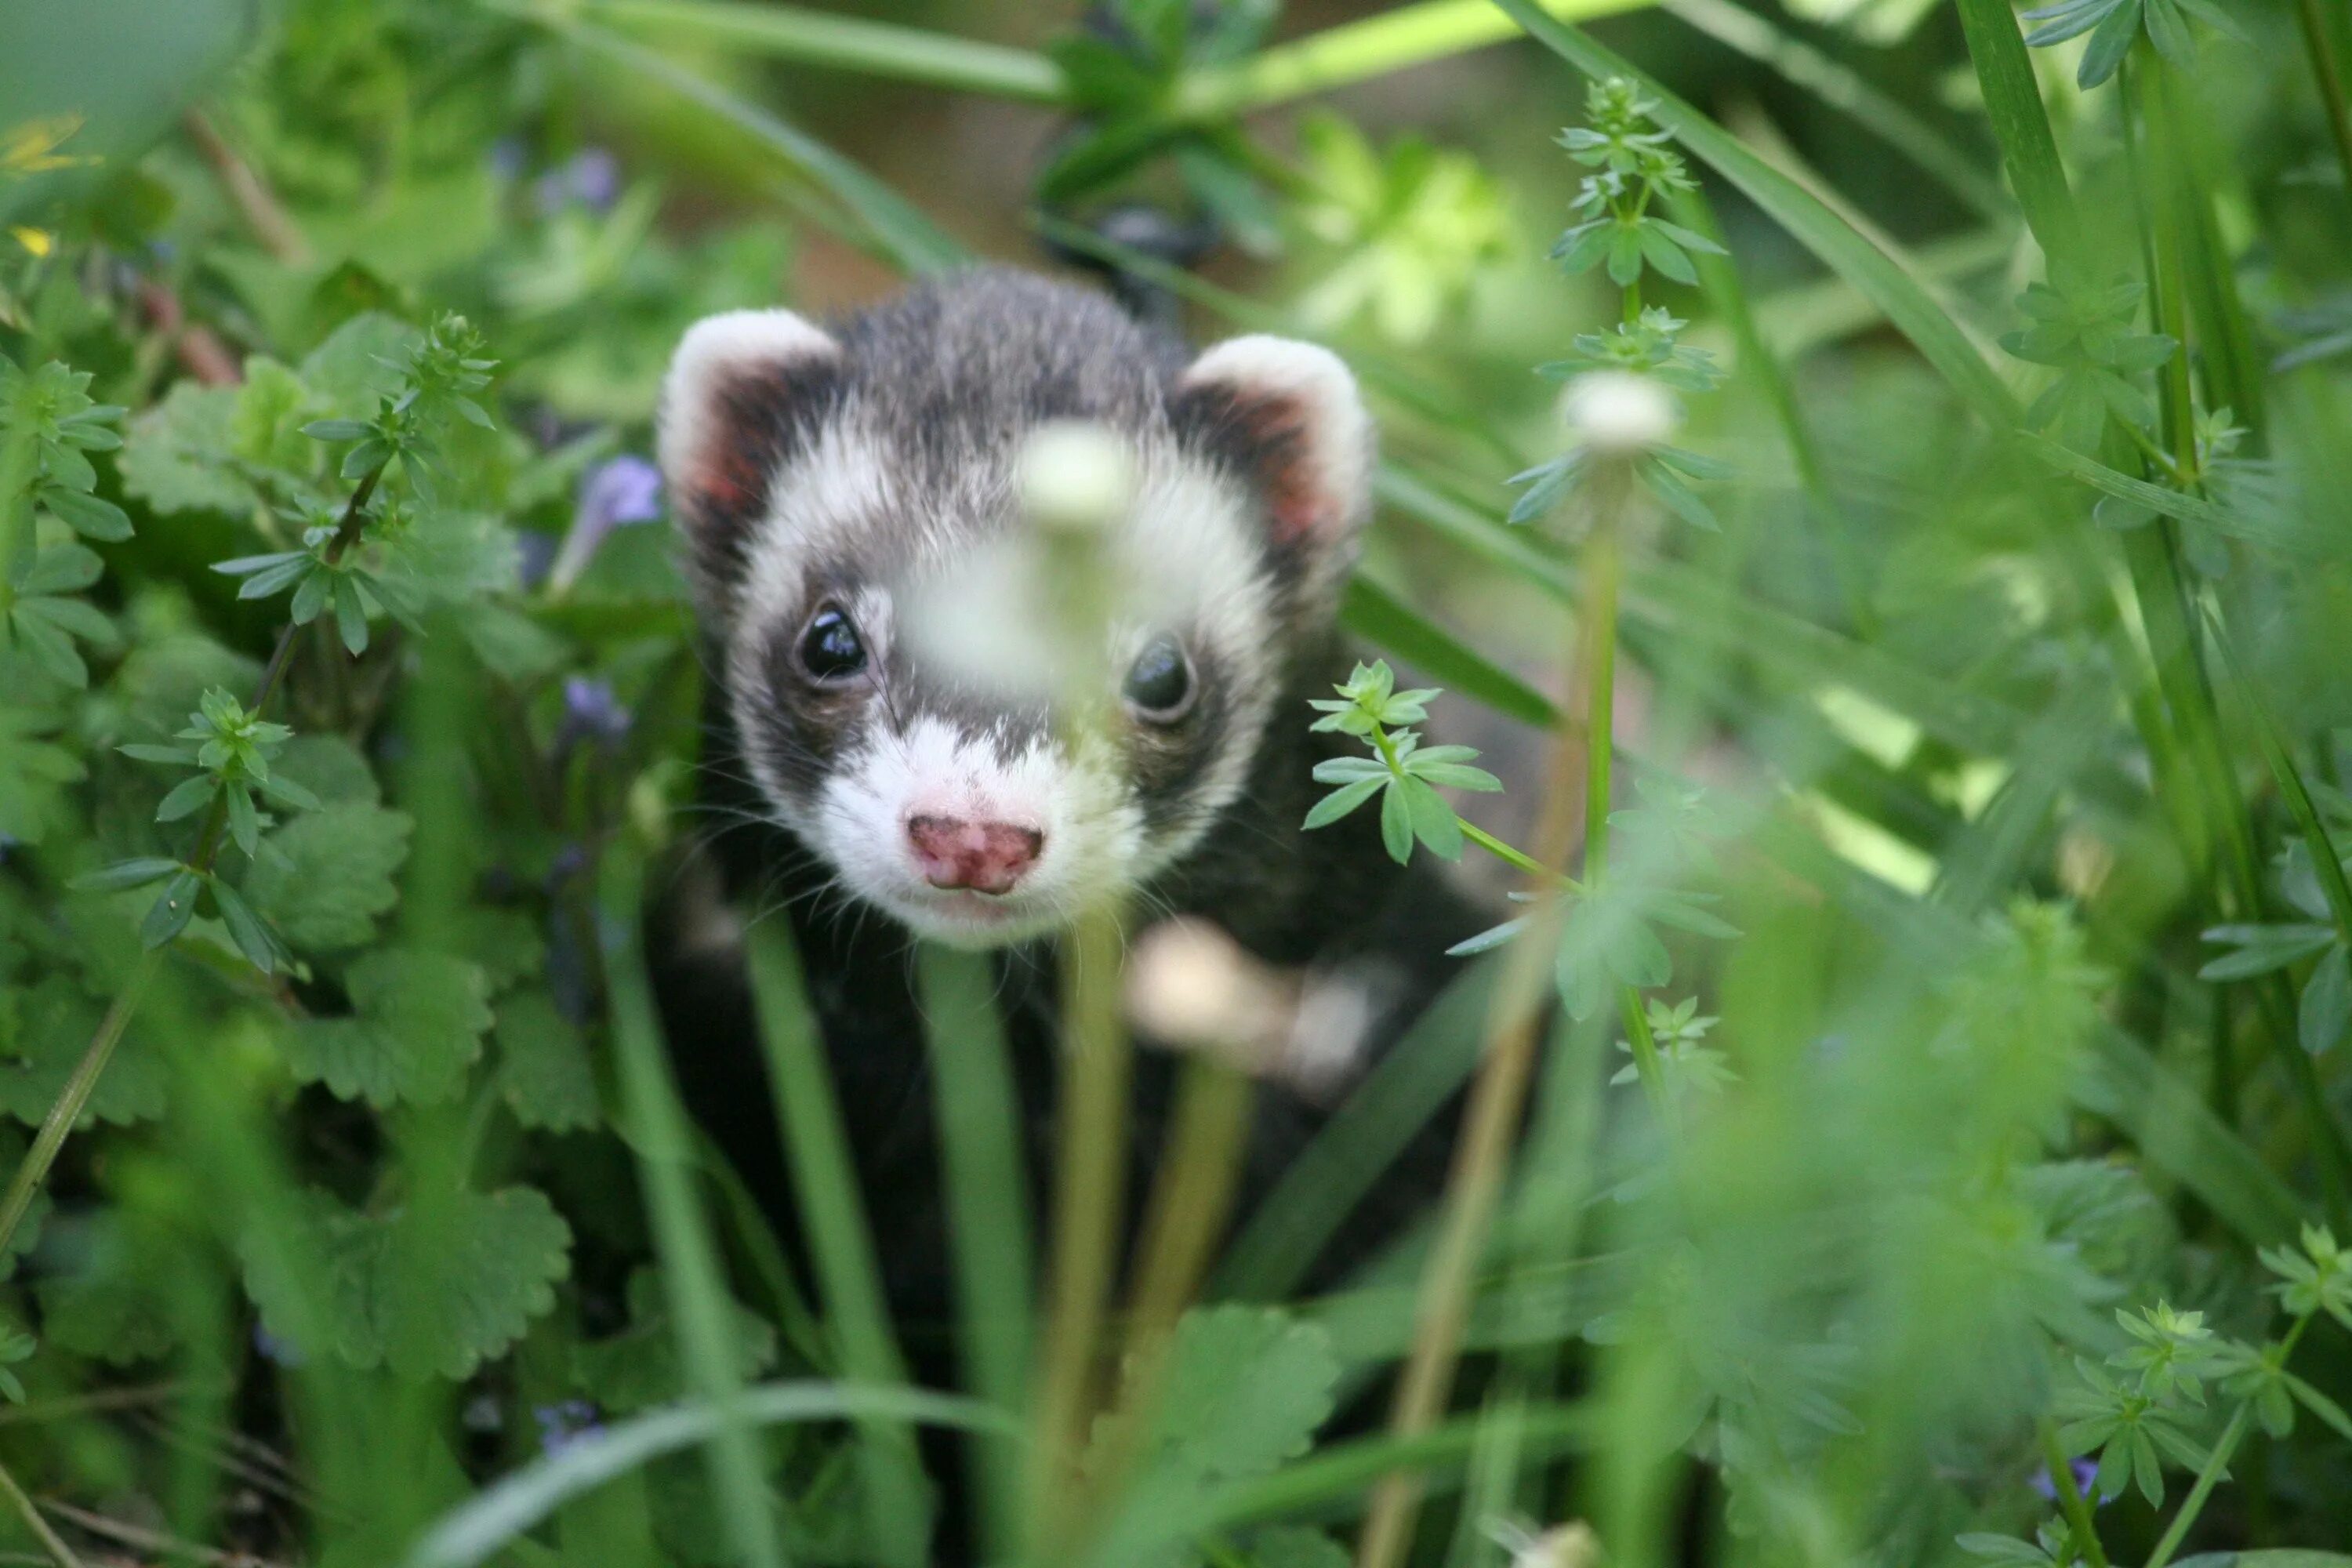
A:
{"x":986,"y":857}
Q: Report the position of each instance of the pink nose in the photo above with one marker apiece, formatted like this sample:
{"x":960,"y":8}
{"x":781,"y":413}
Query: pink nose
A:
{"x":986,"y":857}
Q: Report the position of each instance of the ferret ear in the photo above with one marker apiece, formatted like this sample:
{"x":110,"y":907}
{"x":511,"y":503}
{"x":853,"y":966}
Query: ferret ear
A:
{"x":1287,"y":416}
{"x":746,"y":390}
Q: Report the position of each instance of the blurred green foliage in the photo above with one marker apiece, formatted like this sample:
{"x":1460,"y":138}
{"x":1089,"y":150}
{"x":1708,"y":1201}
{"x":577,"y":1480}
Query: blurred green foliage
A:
{"x":1975,"y":908}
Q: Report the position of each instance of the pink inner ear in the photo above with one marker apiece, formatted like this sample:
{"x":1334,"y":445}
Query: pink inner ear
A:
{"x":1280,"y":432}
{"x":729,"y":476}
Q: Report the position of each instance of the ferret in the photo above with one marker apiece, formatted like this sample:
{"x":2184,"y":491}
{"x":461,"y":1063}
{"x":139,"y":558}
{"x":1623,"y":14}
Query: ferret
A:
{"x":834,"y":485}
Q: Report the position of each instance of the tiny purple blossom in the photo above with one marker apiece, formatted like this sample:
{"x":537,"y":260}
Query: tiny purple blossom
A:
{"x":591,"y":712}
{"x":619,"y":493}
{"x":2086,"y":1475}
{"x":590,"y":177}
{"x":567,"y":1426}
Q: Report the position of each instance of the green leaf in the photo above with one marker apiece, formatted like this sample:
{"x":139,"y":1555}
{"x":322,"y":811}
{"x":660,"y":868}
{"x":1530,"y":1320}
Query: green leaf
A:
{"x":61,"y":569}
{"x":171,"y":910}
{"x":88,"y":515}
{"x":1246,"y":1388}
{"x":253,"y":937}
{"x":121,"y":1304}
{"x":417,"y":1025}
{"x":1342,"y":801}
{"x":1396,"y":826}
{"x":639,"y":1368}
{"x":325,"y":878}
{"x":1433,"y":822}
{"x":430,"y":1289}
{"x":544,"y":1072}
{"x":2326,"y":1002}
{"x":188,"y":797}
{"x":123,"y":874}
{"x":2262,"y":948}
{"x":175,"y":459}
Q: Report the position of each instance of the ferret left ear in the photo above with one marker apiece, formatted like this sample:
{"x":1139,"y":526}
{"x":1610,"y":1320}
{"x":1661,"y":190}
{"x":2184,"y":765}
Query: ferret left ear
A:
{"x":744,"y":392}
{"x":1288,"y":416}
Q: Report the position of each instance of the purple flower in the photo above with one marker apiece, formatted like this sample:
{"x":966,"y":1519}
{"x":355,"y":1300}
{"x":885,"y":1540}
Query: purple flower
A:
{"x":591,"y":712}
{"x":2086,"y":1475}
{"x":565,"y":1427}
{"x":590,"y":177}
{"x":615,"y":494}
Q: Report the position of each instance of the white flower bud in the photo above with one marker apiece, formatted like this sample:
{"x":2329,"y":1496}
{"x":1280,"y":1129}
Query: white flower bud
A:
{"x":1075,"y":476}
{"x":1615,"y":412}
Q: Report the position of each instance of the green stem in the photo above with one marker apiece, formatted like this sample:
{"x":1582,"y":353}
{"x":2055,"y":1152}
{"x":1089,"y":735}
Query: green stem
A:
{"x":1505,"y":852}
{"x":1603,"y":567}
{"x":51,"y":1541}
{"x":846,"y":43}
{"x":2322,"y":50}
{"x":2070,"y":1498}
{"x":2216,"y":1462}
{"x":1357,"y":51}
{"x":2326,"y":865}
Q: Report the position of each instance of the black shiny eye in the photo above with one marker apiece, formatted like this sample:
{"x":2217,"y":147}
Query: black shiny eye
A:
{"x":1160,"y":682}
{"x":830,"y":649}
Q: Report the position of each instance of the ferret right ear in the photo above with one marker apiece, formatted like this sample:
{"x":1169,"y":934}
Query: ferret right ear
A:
{"x":745,"y":390}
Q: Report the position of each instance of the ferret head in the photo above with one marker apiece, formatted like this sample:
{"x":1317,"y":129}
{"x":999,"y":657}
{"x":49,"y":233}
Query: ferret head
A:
{"x":851,"y":510}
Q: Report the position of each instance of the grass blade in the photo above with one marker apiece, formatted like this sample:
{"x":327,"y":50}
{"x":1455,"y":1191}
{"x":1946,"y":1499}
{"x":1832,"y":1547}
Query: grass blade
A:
{"x":498,"y":1515}
{"x":878,"y":216}
{"x":691,"y":1274}
{"x":841,"y":1243}
{"x":988,"y":1196}
{"x":828,"y":40}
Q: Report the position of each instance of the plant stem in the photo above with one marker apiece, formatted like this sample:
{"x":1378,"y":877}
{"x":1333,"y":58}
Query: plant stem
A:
{"x":2070,"y":1498}
{"x":1357,"y":51}
{"x":1506,"y":853}
{"x":2322,"y":50}
{"x":1499,"y":1094}
{"x":51,"y":1541}
{"x":71,"y":1100}
{"x":849,"y":43}
{"x":2217,"y":1461}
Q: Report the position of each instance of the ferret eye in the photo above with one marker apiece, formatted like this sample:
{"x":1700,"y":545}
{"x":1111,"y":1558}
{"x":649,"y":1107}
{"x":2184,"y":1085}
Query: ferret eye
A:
{"x":1160,"y":682}
{"x":830,"y":649}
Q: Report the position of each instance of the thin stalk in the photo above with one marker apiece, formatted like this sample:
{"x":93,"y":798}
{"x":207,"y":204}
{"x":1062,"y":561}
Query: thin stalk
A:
{"x":1506,"y":853}
{"x":1499,"y":1095}
{"x":837,"y":42}
{"x":1357,"y":51}
{"x":2216,"y":1462}
{"x":1089,"y":1199}
{"x":2325,"y":864}
{"x":51,"y":1541}
{"x":2322,"y":50}
{"x":71,"y":1100}
{"x":2194,"y":1503}
{"x":74,"y":1098}
{"x":2070,"y":1498}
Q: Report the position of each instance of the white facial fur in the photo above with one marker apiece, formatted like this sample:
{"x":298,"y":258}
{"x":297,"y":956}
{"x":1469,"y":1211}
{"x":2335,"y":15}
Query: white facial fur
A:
{"x":1190,"y":559}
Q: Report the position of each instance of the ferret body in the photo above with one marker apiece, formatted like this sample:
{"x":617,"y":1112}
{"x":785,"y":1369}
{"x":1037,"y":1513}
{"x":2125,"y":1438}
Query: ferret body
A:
{"x":833,"y":489}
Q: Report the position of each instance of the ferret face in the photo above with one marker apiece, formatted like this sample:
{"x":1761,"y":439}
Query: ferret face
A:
{"x":874,"y":602}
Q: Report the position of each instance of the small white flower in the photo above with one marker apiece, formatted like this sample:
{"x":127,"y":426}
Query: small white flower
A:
{"x":1075,"y":476}
{"x":1615,"y":412}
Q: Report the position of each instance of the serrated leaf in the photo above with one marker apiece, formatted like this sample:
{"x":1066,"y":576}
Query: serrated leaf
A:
{"x":639,"y":1367}
{"x":432,"y":1288}
{"x":175,"y":459}
{"x":1246,"y":1390}
{"x":544,"y":1071}
{"x":327,"y":876}
{"x":416,"y":1026}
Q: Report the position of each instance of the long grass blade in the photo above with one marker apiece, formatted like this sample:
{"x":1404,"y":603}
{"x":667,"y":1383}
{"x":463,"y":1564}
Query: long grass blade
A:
{"x":690,"y":1268}
{"x":988,"y":1193}
{"x":841,"y":1243}
{"x":832,"y":41}
{"x":500,"y":1514}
